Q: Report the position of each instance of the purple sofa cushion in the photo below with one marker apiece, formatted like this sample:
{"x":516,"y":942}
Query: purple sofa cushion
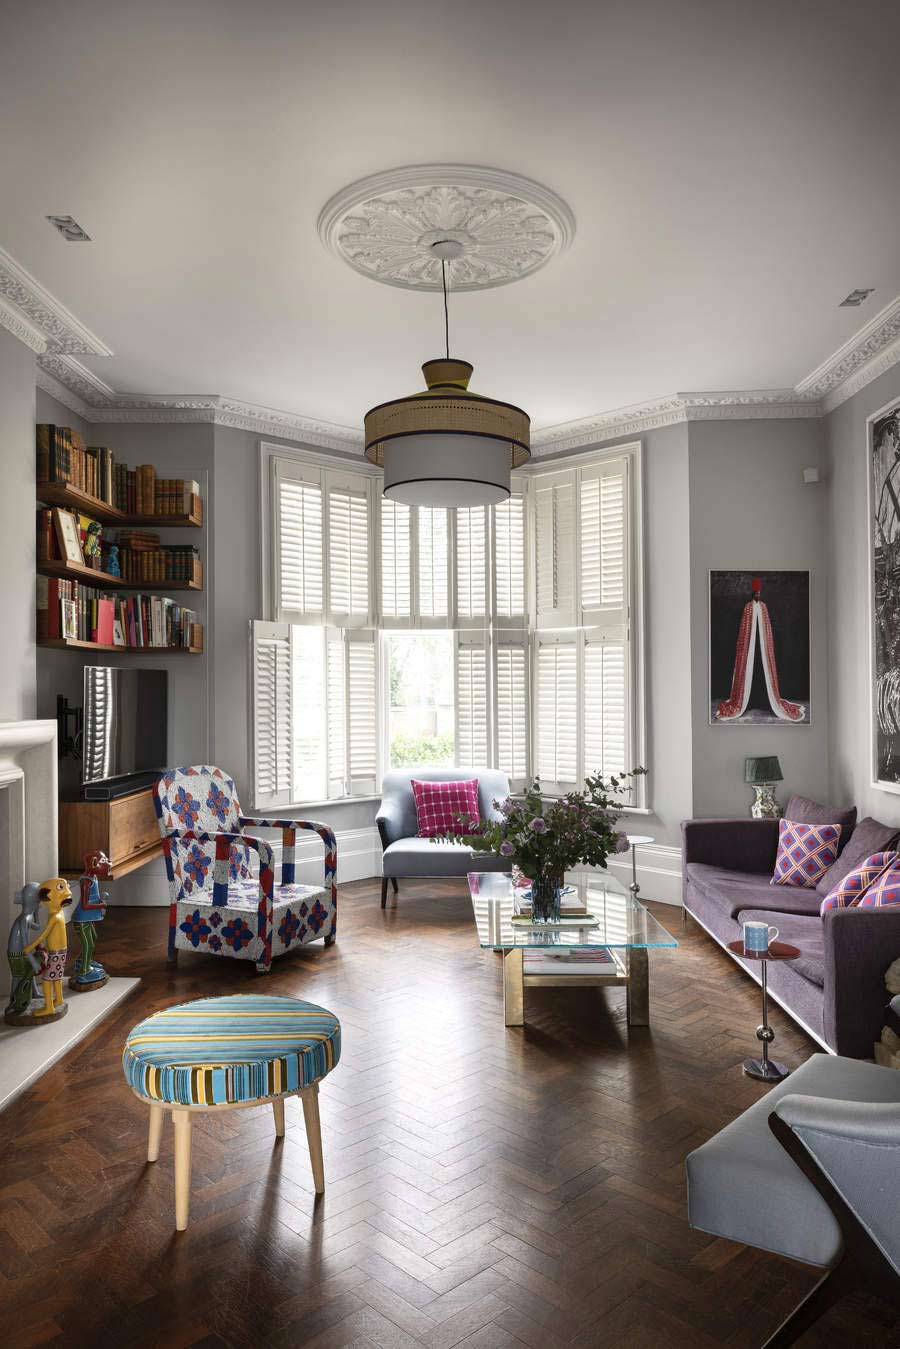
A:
{"x":736,"y":890}
{"x":803,"y":811}
{"x":869,"y":836}
{"x":805,"y":933}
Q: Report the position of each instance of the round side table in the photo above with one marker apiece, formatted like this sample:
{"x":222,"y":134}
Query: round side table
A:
{"x":766,"y":1069}
{"x":636,"y":841}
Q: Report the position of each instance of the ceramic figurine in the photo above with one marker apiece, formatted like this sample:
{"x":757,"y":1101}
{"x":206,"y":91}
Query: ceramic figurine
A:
{"x":112,"y":560}
{"x":53,"y":942}
{"x":92,"y":539}
{"x":90,"y":911}
{"x":23,"y":967}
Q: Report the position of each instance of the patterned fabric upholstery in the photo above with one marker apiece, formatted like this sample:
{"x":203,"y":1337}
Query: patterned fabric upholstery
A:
{"x":883,"y":891}
{"x":439,"y":803}
{"x":853,"y":887}
{"x":216,"y":904}
{"x":805,"y":852}
{"x":217,"y":1051}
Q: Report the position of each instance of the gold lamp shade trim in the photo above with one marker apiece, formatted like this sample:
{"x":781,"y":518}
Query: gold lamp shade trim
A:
{"x":448,"y":407}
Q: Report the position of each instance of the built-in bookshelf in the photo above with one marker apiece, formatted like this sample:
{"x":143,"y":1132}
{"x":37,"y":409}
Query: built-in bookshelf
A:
{"x":91,"y":486}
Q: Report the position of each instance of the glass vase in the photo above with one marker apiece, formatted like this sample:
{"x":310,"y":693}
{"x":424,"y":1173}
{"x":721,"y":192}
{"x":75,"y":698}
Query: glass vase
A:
{"x":545,"y":898}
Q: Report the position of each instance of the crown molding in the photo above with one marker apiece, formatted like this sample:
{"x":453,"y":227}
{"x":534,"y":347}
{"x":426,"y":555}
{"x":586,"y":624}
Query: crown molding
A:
{"x":43,"y":314}
{"x":62,"y":393}
{"x":851,"y":367}
{"x":15,"y":322}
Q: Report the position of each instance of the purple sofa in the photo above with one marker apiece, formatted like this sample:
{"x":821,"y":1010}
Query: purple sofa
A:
{"x":835,"y":990}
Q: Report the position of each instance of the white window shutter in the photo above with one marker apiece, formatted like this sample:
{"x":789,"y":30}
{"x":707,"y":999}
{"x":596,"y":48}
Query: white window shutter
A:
{"x":472,"y":736}
{"x":362,"y":712}
{"x":554,"y":522}
{"x":471,"y":562}
{"x":310,"y":702}
{"x":433,"y":558}
{"x":299,"y":551}
{"x":509,"y":561}
{"x":603,"y":535}
{"x":336,"y":703}
{"x":557,"y":714}
{"x":605,"y":707}
{"x":348,"y":548}
{"x":273,"y":768}
{"x":396,"y":560}
{"x":511,"y":712}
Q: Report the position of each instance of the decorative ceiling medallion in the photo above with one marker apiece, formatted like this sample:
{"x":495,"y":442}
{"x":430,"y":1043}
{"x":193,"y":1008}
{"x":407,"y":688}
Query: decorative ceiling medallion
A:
{"x":503,"y":227}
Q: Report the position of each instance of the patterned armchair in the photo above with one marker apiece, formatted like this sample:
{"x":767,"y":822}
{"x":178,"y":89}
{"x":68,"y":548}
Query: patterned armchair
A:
{"x":217,"y":906}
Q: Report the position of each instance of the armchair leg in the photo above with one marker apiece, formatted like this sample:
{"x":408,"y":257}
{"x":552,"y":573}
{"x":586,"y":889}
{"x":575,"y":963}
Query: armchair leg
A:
{"x":394,"y":883}
{"x":384,"y":886}
{"x":826,"y":1293}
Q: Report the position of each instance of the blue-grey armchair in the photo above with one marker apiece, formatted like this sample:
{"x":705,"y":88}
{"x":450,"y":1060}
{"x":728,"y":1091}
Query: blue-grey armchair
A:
{"x":405,"y":854}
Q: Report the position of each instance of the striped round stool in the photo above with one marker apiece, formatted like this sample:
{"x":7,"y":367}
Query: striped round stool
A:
{"x":225,"y":1053}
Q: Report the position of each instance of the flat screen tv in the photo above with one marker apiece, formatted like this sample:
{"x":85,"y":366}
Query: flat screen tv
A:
{"x":125,"y":722}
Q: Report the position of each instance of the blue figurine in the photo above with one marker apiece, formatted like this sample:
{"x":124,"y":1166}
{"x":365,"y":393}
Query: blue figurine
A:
{"x":112,"y":560}
{"x":91,"y":910}
{"x":23,"y":965}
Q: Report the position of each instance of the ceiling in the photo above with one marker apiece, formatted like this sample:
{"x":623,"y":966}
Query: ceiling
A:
{"x":732,"y":169}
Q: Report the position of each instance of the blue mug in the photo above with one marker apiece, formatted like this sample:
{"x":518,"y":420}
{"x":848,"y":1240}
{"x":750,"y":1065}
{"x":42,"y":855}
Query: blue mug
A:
{"x":758,"y":936}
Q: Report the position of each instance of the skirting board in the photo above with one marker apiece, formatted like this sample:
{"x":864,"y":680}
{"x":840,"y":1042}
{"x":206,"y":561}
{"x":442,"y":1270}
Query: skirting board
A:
{"x":26,"y":1052}
{"x":658,"y":872}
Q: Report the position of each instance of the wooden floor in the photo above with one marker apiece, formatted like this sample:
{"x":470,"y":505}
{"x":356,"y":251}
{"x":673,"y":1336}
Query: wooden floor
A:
{"x":485,"y":1187}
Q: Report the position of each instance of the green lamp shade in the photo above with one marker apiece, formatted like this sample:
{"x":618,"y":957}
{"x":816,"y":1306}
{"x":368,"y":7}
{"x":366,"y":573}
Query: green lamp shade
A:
{"x":758,"y":771}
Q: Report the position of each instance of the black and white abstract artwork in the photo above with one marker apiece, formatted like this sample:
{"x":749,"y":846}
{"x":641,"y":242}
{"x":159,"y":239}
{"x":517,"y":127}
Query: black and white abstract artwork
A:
{"x":884,"y":557}
{"x":759,"y":648}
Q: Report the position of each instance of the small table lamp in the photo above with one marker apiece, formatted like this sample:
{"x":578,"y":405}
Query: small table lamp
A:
{"x":762,"y":774}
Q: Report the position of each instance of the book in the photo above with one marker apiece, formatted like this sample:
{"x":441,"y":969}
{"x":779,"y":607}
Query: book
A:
{"x":574,"y":963}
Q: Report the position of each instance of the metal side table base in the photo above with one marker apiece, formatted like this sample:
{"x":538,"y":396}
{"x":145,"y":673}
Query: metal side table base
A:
{"x":764,"y":1068}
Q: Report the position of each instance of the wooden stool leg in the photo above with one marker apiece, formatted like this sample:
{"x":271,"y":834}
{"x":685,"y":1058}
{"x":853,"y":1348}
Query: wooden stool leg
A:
{"x":182,"y":1122}
{"x":310,"y":1099}
{"x":157,"y":1115}
{"x":278,"y":1112}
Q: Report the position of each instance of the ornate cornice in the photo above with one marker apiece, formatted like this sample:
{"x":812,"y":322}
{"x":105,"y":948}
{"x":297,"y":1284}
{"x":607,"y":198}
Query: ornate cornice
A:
{"x":847,"y":370}
{"x":43,"y":314}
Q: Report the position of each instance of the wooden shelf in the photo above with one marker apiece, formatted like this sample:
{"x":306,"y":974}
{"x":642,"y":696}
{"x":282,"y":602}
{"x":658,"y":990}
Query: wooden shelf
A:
{"x":78,"y":571}
{"x":64,"y":494}
{"x":70,"y":644}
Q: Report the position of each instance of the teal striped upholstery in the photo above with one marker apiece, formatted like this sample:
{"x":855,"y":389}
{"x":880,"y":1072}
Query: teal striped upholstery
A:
{"x":218,"y":1051}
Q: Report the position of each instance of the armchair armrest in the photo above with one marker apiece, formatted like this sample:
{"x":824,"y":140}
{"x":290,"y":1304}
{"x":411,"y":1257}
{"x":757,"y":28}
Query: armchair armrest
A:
{"x":876,"y":1124}
{"x":740,"y":844}
{"x":388,"y":821}
{"x":859,"y":946}
{"x":288,"y":846}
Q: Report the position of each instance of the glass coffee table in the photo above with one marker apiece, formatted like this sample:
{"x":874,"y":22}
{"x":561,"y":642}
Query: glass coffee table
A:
{"x":607,"y":948}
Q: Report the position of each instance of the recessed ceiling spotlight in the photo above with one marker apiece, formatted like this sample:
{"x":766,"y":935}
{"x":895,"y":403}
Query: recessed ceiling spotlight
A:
{"x":70,"y":229}
{"x":855,"y":298}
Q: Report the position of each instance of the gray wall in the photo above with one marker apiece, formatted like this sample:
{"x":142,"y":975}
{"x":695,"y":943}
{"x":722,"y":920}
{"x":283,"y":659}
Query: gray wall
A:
{"x":851,"y":768}
{"x":17,"y":529}
{"x":750,"y":510}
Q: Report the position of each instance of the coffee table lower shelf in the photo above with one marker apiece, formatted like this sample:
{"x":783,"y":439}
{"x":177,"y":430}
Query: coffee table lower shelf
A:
{"x":633,"y":972}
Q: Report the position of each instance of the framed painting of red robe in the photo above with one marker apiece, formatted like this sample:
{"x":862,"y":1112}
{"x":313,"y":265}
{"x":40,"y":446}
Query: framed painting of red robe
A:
{"x":759,"y":648}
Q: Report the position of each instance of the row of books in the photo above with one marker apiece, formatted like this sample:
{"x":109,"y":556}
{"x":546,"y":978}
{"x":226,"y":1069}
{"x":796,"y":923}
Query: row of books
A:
{"x":68,"y":609}
{"x":63,"y":457}
{"x":158,"y":564}
{"x":139,"y":556}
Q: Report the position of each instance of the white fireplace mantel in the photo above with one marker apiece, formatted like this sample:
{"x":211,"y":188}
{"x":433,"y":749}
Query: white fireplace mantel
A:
{"x":28,"y":813}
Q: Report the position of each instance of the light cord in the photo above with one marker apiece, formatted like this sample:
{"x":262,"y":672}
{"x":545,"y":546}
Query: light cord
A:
{"x":446,"y":308}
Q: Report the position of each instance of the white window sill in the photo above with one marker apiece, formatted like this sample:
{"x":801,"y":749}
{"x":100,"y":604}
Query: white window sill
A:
{"x":284,"y":812}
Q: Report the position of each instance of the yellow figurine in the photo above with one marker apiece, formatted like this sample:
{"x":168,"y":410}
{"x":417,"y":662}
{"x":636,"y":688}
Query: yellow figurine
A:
{"x":54,"y":943}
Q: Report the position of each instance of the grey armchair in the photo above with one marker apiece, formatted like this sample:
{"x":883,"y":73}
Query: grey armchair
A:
{"x":811,"y":1171}
{"x":405,"y":854}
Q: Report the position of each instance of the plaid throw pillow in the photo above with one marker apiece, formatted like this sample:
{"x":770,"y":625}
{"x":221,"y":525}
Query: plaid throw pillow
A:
{"x":852,"y":888}
{"x":805,"y":852}
{"x":439,"y":803}
{"x":882,"y":892}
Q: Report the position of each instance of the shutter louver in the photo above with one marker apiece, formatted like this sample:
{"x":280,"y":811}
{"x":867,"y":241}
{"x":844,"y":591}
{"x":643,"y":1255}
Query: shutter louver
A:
{"x":362,"y":713}
{"x":471,"y":706}
{"x":300,"y":557}
{"x":602,"y":522}
{"x":511,"y":695}
{"x":557,"y":707}
{"x":310,"y":723}
{"x":509,"y":558}
{"x":471,"y":562}
{"x":395,"y":560}
{"x":272,"y":714}
{"x":432,"y":541}
{"x":348,"y":553}
{"x":605,"y":708}
{"x":555,"y":551}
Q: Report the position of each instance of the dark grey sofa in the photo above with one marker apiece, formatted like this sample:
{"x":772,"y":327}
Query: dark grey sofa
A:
{"x":405,"y":854}
{"x":836,"y":989}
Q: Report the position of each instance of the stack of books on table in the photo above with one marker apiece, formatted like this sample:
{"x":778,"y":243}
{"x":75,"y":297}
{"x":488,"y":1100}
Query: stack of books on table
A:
{"x":572,"y":963}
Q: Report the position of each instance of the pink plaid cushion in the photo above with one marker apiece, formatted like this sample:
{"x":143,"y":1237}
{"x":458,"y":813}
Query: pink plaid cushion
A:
{"x":883,"y":891}
{"x":439,"y":803}
{"x":805,"y":852}
{"x":853,"y":887}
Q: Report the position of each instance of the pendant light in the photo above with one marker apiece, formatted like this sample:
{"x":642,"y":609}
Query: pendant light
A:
{"x":447,"y":446}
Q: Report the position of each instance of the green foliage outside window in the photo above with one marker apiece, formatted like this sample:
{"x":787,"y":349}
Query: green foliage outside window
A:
{"x":407,"y":751}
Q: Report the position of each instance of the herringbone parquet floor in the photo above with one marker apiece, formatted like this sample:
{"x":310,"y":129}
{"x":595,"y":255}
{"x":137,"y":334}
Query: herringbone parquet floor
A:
{"x":486,"y":1188}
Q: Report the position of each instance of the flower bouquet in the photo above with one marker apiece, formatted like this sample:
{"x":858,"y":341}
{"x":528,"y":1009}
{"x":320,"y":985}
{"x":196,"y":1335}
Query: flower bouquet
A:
{"x":546,"y":837}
